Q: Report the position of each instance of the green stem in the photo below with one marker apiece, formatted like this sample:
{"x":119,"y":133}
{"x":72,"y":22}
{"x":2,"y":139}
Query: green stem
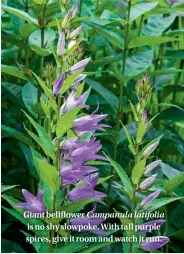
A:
{"x":80,"y":8}
{"x":119,"y":113}
{"x":42,"y":46}
{"x":140,"y":25}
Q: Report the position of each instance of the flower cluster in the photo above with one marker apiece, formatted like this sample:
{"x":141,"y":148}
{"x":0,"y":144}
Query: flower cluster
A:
{"x":144,"y":91}
{"x":78,"y":151}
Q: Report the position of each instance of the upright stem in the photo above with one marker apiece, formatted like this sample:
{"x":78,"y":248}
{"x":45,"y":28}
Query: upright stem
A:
{"x":80,"y":8}
{"x":26,"y":42}
{"x":42,"y":46}
{"x":119,"y":113}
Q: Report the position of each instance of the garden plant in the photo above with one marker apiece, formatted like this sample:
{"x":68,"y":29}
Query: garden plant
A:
{"x":92,"y":126}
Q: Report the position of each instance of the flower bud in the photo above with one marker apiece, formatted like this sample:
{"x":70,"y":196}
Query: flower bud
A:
{"x":61,"y":44}
{"x":150,"y":149}
{"x":58,"y":84}
{"x":150,"y":198}
{"x":74,"y":11}
{"x":145,"y":117}
{"x":80,"y":65}
{"x":148,"y":181}
{"x":151,"y":166}
{"x":78,"y":79}
{"x":154,"y":243}
{"x":71,"y":44}
{"x":76,"y":32}
{"x":66,"y":20}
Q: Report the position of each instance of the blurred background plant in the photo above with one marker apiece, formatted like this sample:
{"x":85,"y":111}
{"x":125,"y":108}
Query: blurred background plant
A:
{"x":125,"y":40}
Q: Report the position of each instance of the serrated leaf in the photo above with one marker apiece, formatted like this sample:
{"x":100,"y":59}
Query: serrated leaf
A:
{"x":123,"y":176}
{"x":66,"y":121}
{"x":138,"y":171}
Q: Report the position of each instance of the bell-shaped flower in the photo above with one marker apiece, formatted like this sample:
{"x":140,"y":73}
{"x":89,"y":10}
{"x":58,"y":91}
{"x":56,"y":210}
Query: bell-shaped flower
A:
{"x":151,"y":166}
{"x":58,"y":84}
{"x":73,"y":101}
{"x":83,"y":224}
{"x":150,"y":198}
{"x":154,"y":243}
{"x":72,"y":173}
{"x":89,"y":123}
{"x":87,"y":152}
{"x":148,"y":181}
{"x":150,"y":226}
{"x":66,"y":20}
{"x":61,"y":44}
{"x":80,"y":65}
{"x":33,"y":204}
{"x":86,"y":191}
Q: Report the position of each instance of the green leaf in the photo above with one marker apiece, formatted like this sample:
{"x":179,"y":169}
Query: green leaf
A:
{"x":40,"y":247}
{"x":141,"y":131}
{"x":137,"y":171}
{"x":27,"y":29}
{"x":158,"y":203}
{"x":35,"y":37}
{"x":137,"y":64}
{"x":44,"y":139}
{"x":49,"y":174}
{"x":123,"y":176}
{"x":131,"y":145}
{"x":172,"y":183}
{"x":139,"y":9}
{"x":134,"y":111}
{"x":131,"y":128}
{"x":21,"y":14}
{"x":157,"y":24}
{"x":149,"y":40}
{"x":7,"y":187}
{"x":29,"y":96}
{"x":172,"y":114}
{"x":66,"y":121}
{"x":40,"y":1}
{"x":47,"y":91}
{"x":68,"y":82}
{"x":40,"y":51}
{"x":73,"y":207}
{"x":106,"y":14}
{"x":11,"y":247}
{"x":10,"y":132}
{"x":14,"y":71}
{"x":104,"y":92}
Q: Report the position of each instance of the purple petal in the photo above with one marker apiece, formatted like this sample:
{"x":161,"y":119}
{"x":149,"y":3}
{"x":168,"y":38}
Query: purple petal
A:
{"x":150,"y":149}
{"x":76,"y":32}
{"x":39,"y":197}
{"x":28,"y":196}
{"x":147,"y":182}
{"x":61,"y":44}
{"x":24,"y":206}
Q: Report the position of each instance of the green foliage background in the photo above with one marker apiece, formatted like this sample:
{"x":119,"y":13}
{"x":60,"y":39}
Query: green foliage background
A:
{"x":154,"y":44}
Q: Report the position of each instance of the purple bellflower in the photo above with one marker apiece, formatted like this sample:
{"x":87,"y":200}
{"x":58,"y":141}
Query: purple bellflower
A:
{"x":148,"y":181}
{"x":73,"y":101}
{"x":89,"y":123}
{"x":86,"y":191}
{"x":150,"y":149}
{"x":76,"y":32}
{"x":32,"y":204}
{"x":154,"y":243}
